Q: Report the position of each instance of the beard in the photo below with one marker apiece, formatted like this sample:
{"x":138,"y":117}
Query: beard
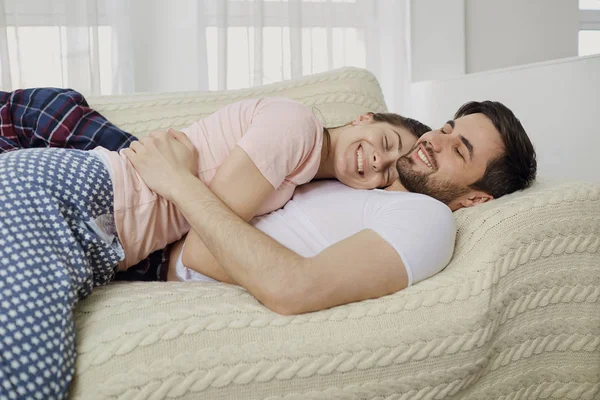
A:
{"x":421,"y":182}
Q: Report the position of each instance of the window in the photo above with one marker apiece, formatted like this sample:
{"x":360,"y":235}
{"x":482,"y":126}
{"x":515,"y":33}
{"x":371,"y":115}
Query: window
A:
{"x":248,"y":42}
{"x":46,"y":42}
{"x":589,"y":27}
{"x":42,"y":51}
{"x":316,"y":36}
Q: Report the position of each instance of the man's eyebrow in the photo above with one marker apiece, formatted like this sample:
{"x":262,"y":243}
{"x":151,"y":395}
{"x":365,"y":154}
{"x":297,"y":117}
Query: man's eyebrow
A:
{"x":451,"y":123}
{"x":399,"y":139}
{"x":468,"y":145}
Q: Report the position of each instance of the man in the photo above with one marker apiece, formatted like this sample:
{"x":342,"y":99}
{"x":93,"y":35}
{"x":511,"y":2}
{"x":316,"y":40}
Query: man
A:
{"x":482,"y":154}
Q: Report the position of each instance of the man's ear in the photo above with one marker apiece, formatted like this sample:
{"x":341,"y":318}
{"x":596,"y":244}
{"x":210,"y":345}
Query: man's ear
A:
{"x":470,"y":199}
{"x":368,"y":117}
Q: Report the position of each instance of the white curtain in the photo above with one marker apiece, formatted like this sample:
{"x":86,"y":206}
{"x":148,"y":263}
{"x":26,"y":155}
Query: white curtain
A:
{"x":124,"y":46}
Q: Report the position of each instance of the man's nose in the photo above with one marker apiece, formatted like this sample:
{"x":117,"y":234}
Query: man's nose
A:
{"x":440,"y":140}
{"x":437,"y":142}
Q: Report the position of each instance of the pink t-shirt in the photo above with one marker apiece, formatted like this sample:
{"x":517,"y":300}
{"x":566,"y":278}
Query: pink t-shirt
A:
{"x":281,"y":136}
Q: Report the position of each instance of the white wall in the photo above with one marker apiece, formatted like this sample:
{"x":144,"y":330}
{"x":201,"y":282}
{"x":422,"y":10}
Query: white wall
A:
{"x":557,"y":101}
{"x":502,"y":33}
{"x":453,"y":37}
{"x":437,"y":39}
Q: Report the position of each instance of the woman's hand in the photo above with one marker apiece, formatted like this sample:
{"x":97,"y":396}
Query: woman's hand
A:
{"x":164,"y":160}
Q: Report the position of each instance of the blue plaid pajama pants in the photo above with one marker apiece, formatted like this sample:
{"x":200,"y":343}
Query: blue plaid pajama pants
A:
{"x":52,"y":254}
{"x":53,"y":117}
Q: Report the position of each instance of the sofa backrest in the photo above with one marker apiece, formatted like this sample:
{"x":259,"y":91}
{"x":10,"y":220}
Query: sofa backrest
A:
{"x":336,"y":97}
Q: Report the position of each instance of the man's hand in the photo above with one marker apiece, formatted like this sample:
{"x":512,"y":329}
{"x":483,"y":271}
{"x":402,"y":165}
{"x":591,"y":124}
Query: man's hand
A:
{"x":164,"y":159}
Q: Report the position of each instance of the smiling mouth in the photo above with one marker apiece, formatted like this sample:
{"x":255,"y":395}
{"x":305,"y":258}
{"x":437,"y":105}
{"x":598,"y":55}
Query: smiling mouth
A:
{"x":425,"y":157}
{"x":360,"y":160}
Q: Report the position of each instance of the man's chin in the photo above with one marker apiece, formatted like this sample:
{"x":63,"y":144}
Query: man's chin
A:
{"x":417,"y":182}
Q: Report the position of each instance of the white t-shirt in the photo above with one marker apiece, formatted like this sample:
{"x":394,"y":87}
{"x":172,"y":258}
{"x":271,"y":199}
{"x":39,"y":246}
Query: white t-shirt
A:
{"x":421,"y":229}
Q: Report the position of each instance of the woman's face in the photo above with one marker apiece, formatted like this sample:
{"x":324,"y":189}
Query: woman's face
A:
{"x":366,"y":153}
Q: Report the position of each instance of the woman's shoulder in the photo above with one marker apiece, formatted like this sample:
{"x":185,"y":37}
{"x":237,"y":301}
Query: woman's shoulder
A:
{"x":292,"y":124}
{"x":274,"y":112}
{"x":287,"y":107}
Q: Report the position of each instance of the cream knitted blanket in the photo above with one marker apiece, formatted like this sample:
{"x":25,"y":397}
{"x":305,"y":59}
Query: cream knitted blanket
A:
{"x":516,"y":314}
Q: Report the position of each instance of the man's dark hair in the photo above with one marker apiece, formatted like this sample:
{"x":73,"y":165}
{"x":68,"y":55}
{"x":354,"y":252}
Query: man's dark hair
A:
{"x":515,"y":169}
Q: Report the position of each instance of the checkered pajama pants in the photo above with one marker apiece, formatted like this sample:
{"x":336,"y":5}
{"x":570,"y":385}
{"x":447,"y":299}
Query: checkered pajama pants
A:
{"x":51,"y":255}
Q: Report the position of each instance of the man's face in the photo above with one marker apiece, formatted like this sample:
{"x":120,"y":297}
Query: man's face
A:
{"x":444,"y":162}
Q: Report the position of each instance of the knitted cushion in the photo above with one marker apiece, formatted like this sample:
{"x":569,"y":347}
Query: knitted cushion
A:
{"x":516,"y":314}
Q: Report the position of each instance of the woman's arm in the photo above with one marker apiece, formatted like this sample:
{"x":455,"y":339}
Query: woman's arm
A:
{"x":283,"y":137}
{"x":240,"y":185}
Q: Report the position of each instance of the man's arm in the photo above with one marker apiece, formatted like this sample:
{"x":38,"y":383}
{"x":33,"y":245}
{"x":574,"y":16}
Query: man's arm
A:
{"x":360,"y":267}
{"x":242,"y":187}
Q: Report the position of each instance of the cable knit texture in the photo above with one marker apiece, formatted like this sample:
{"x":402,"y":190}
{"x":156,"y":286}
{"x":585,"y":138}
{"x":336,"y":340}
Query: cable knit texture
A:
{"x":515,"y":315}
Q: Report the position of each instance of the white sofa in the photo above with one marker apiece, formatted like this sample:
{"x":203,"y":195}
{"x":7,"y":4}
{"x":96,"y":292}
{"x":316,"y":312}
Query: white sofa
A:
{"x":515,"y":315}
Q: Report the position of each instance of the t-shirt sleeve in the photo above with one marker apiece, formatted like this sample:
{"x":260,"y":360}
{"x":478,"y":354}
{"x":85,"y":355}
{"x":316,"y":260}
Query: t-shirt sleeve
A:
{"x":422,"y":230}
{"x":284,"y":141}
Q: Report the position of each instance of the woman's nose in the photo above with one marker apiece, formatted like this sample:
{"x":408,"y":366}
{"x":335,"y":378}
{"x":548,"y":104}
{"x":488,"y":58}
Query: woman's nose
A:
{"x":382,"y":160}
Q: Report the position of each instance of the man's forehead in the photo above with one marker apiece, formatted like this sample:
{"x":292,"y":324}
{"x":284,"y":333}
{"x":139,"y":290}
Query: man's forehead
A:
{"x":477,"y":125}
{"x":480,"y":131}
{"x":476,"y":119}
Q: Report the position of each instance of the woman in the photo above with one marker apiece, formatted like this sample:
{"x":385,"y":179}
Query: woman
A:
{"x":68,"y":217}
